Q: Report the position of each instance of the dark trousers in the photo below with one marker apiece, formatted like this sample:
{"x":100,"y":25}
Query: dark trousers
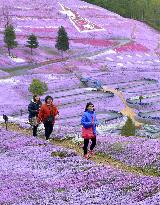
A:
{"x":35,"y":130}
{"x":86,"y":142}
{"x":48,"y":129}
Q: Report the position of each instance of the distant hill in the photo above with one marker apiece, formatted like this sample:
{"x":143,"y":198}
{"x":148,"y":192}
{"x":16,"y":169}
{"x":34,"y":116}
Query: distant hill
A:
{"x":143,"y":10}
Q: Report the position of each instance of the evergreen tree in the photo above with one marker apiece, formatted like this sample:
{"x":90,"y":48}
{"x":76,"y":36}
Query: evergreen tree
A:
{"x":140,"y":98}
{"x":37,"y":87}
{"x":62,"y":41}
{"x":10,"y":38}
{"x":32,"y":42}
{"x":129,"y":128}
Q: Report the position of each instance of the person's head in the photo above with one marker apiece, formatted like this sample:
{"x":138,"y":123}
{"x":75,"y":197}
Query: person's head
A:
{"x":89,"y":107}
{"x":36,"y":98}
{"x":48,"y":99}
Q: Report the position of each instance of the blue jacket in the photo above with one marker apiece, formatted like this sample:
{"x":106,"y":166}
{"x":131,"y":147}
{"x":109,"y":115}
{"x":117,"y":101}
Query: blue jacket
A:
{"x":86,"y":120}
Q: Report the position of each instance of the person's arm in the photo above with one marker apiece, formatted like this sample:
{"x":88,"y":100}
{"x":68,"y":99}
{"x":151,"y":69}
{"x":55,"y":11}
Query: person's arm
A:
{"x":96,"y":121}
{"x":31,"y":110}
{"x":84,"y":123}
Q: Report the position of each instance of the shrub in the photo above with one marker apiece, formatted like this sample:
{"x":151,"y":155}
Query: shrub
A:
{"x":129,"y":128}
{"x":37,"y":87}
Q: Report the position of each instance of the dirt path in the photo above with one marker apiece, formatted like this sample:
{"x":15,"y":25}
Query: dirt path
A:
{"x":127,"y":111}
{"x":99,"y":158}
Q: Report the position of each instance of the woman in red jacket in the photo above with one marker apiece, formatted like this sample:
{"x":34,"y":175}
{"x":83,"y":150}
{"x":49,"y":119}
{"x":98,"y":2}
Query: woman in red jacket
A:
{"x":47,"y":115}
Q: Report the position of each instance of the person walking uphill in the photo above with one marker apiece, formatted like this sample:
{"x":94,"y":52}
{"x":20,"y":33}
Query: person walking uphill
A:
{"x":33,"y":109}
{"x":89,"y":123}
{"x":47,"y":115}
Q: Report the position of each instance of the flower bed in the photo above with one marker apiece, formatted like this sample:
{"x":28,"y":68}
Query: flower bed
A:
{"x":134,"y":151}
{"x":132,"y":47}
{"x":95,"y":42}
{"x":35,"y":172}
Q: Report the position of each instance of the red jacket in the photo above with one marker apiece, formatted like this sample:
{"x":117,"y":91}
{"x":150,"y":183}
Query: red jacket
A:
{"x":46,"y":111}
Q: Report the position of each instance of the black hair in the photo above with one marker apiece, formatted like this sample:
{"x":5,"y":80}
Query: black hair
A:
{"x":34,"y":97}
{"x":88,"y":104}
{"x":47,"y":97}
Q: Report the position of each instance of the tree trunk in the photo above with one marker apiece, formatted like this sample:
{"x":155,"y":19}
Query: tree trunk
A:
{"x":9,"y":51}
{"x":62,"y":54}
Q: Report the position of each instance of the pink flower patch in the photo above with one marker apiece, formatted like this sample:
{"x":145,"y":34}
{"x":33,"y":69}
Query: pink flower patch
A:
{"x":133,"y":47}
{"x":44,"y":30}
{"x":95,"y":42}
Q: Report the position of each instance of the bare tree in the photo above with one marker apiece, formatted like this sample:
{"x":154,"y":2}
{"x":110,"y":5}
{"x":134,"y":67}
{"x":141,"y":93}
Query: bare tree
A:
{"x":6,"y":12}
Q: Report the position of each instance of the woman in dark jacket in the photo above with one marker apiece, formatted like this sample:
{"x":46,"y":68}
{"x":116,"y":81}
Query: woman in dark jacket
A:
{"x":33,"y":109}
{"x":89,"y":123}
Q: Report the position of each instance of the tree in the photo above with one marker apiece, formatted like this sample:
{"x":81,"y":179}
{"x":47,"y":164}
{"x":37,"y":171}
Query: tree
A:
{"x":37,"y":87}
{"x":10,"y":38}
{"x":129,"y":128}
{"x":62,"y":41}
{"x":32,"y":42}
{"x":140,"y":98}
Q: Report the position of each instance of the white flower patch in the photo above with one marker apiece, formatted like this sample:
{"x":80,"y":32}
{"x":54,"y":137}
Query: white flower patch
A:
{"x":120,"y":57}
{"x":144,"y":96}
{"x":135,"y":98}
{"x":150,"y":62}
{"x":129,"y":63}
{"x":110,"y":59}
{"x":157,"y":61}
{"x":147,"y":54}
{"x":129,"y":56}
{"x":17,"y":60}
{"x":18,"y":120}
{"x":140,"y":62}
{"x":110,"y":51}
{"x":24,"y":8}
{"x":138,"y":55}
{"x":77,"y":138}
{"x":98,"y":55}
{"x":101,"y":129}
{"x":90,"y":7}
{"x":52,"y":77}
{"x":18,"y":30}
{"x":120,"y":64}
{"x":9,"y":81}
{"x":91,"y":89}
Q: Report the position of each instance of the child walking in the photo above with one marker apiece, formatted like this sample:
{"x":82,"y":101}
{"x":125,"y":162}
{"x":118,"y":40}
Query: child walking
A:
{"x":89,"y":123}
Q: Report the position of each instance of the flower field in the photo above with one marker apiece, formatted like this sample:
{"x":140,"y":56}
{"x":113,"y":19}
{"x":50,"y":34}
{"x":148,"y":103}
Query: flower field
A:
{"x":119,"y":53}
{"x":32,"y":173}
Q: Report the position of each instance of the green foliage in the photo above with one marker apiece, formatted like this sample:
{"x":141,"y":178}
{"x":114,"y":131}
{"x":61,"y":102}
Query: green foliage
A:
{"x":129,"y":128}
{"x":32,"y":42}
{"x":143,"y":10}
{"x":10,"y":38}
{"x":62,"y":154}
{"x":62,"y":41}
{"x":140,"y":98}
{"x":37,"y":87}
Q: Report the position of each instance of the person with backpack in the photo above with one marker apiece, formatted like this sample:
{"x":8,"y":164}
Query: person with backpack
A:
{"x":89,"y":123}
{"x":47,"y":115}
{"x":33,"y":109}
